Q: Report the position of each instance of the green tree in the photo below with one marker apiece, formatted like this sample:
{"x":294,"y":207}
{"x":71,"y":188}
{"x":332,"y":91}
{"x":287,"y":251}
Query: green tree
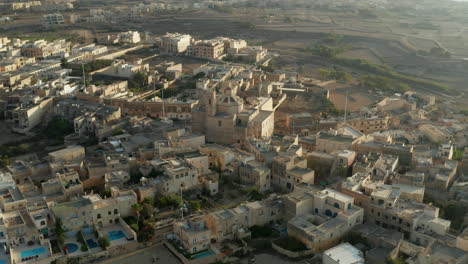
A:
{"x":4,"y":161}
{"x":138,"y":82}
{"x":147,"y":210}
{"x":394,"y":261}
{"x":58,"y":128}
{"x":60,"y":232}
{"x":103,"y":242}
{"x":195,"y":205}
{"x":458,"y":154}
{"x":137,"y":208}
{"x":154,"y":173}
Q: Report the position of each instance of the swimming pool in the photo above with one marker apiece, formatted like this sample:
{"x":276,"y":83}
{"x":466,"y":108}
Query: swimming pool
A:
{"x":114,"y":235}
{"x":2,"y":261}
{"x":91,"y":243}
{"x":202,"y":254}
{"x":32,"y":252}
{"x":71,"y":247}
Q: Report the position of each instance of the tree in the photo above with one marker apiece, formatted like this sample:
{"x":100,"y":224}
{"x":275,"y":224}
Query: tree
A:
{"x":458,"y":154}
{"x":335,"y":75}
{"x":135,"y":227}
{"x":147,"y":210}
{"x":390,"y":260}
{"x":138,"y":82}
{"x":137,"y":208}
{"x":155,"y":173}
{"x":4,"y":161}
{"x":168,"y":201}
{"x":59,"y":232}
{"x":58,"y":128}
{"x":64,"y":63}
{"x":199,"y":75}
{"x":135,"y":175}
{"x":195,"y":205}
{"x":103,"y":242}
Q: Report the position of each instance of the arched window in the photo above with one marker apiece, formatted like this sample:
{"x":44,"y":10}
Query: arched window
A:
{"x":349,"y":206}
{"x":337,"y":205}
{"x":328,"y":212}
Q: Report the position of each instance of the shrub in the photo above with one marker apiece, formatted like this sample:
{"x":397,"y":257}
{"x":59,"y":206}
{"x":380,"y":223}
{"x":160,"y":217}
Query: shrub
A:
{"x":263,"y":231}
{"x":84,"y":248}
{"x":135,"y":227}
{"x":291,"y":244}
{"x":168,"y":201}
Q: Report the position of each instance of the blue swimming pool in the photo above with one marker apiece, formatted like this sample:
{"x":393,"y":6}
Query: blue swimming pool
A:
{"x":114,"y":235}
{"x":2,"y":261}
{"x":32,"y":252}
{"x":91,"y":243}
{"x":71,"y":247}
{"x":202,"y":254}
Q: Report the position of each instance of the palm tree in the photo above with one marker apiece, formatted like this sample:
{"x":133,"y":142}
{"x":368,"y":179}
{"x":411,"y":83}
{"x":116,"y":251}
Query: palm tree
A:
{"x":137,"y":207}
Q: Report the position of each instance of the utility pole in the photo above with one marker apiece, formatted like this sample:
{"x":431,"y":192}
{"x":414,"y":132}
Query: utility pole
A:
{"x":84,"y":75}
{"x":182,"y":200}
{"x":162,"y":97}
{"x":346,"y":107}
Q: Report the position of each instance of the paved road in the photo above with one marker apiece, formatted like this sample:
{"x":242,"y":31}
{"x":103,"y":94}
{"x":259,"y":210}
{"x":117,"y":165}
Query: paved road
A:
{"x":146,"y":256}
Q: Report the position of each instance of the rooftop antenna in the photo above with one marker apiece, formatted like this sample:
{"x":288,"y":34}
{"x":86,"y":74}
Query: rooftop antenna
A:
{"x":162,"y":97}
{"x":346,"y":107}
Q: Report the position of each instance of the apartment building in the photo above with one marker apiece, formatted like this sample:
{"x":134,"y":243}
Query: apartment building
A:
{"x":320,"y":218}
{"x":29,"y":113}
{"x":44,"y":49}
{"x":193,"y":234}
{"x":289,"y":171}
{"x":210,"y":49}
{"x":436,"y":134}
{"x":396,"y":207}
{"x":369,"y":125}
{"x":254,"y":173}
{"x":68,"y":155}
{"x":331,"y":143}
{"x":174,"y":43}
{"x":54,"y":19}
{"x":74,"y":215}
{"x":227,"y":224}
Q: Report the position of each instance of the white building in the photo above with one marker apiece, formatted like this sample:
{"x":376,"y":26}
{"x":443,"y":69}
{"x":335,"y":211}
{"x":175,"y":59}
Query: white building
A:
{"x":343,"y":254}
{"x":129,"y":37}
{"x":174,"y":43}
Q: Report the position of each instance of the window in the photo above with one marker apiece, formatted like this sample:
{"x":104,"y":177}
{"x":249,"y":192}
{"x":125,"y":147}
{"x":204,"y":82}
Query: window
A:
{"x":220,"y":123}
{"x":116,"y":211}
{"x":98,"y":216}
